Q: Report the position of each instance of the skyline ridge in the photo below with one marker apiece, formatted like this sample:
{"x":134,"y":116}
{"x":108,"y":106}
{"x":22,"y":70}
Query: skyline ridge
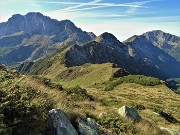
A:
{"x":153,"y":30}
{"x":129,"y":17}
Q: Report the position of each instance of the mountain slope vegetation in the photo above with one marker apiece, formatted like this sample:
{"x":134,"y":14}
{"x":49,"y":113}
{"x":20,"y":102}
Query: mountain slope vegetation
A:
{"x":37,"y":33}
{"x":53,"y":64}
{"x":137,"y":56}
{"x":89,"y":101}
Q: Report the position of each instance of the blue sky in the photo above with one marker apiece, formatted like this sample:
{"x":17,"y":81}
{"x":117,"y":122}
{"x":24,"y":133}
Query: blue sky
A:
{"x":123,"y":18}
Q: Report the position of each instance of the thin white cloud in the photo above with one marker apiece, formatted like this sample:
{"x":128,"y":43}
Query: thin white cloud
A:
{"x":77,"y":9}
{"x":55,"y":2}
{"x":83,"y":9}
{"x":135,"y":8}
{"x":81,"y":5}
{"x":95,"y":4}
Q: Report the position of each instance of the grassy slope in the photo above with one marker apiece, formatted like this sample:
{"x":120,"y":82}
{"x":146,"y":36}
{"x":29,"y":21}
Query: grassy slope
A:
{"x":86,"y":75}
{"x":93,"y":78}
{"x":152,"y":97}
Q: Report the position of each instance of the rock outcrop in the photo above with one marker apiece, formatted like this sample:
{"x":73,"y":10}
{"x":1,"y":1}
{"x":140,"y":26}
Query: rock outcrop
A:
{"x":129,"y":112}
{"x":170,"y":131}
{"x":32,"y":36}
{"x":88,"y":127}
{"x":138,"y":56}
{"x":59,"y":124}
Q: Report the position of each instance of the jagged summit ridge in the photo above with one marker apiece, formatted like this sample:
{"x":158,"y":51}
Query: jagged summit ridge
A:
{"x":39,"y":34}
{"x":166,"y":42}
{"x":37,"y":23}
{"x":109,"y":39}
{"x":107,"y":35}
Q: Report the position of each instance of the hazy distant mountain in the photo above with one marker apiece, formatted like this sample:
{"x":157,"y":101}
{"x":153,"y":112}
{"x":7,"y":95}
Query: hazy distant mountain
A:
{"x":165,"y":41}
{"x":39,"y":35}
{"x":34,"y":36}
{"x":147,"y":47}
{"x":136,"y":57}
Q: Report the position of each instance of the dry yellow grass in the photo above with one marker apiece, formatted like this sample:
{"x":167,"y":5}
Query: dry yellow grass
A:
{"x":159,"y":96}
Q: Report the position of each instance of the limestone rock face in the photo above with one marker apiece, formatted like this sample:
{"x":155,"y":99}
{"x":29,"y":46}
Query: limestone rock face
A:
{"x":129,"y":112}
{"x":88,"y":128}
{"x":33,"y":36}
{"x":59,"y":124}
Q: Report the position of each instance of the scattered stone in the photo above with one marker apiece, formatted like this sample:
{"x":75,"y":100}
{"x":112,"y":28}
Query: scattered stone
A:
{"x":103,"y":114}
{"x":115,"y":109}
{"x":88,"y":128}
{"x":59,"y":124}
{"x":106,"y":131}
{"x":129,"y":112}
{"x":171,"y":131}
{"x":156,"y":113}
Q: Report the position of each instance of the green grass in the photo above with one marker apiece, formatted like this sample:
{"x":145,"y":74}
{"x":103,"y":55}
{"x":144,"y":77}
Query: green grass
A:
{"x":22,"y":107}
{"x":83,"y":96}
{"x":138,"y":79}
{"x":86,"y":75}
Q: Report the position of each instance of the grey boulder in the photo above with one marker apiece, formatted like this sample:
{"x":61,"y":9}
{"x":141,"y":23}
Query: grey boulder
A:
{"x":129,"y":112}
{"x":59,"y":124}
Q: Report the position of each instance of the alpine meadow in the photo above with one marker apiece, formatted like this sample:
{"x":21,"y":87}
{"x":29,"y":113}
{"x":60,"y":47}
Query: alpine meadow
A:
{"x":94,"y":67}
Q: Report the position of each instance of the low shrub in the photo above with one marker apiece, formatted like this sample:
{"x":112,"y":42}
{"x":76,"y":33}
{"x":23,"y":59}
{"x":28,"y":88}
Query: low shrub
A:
{"x":139,"y":107}
{"x":109,"y":102}
{"x":117,"y":124}
{"x":78,"y":94}
{"x":138,"y":79}
{"x":23,"y":111}
{"x":51,"y":84}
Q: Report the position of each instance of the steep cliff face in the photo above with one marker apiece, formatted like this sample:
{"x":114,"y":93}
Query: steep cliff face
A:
{"x":37,"y":23}
{"x":137,"y":56}
{"x":156,"y":47}
{"x":34,"y":30}
{"x":98,"y":53}
{"x":166,"y":42}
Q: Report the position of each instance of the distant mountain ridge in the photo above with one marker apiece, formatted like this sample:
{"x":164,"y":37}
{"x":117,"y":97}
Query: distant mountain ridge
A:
{"x":146,"y":46}
{"x":34,"y":36}
{"x":38,"y":33}
{"x":167,"y":42}
{"x":37,"y":23}
{"x":137,"y":57}
{"x":141,"y":58}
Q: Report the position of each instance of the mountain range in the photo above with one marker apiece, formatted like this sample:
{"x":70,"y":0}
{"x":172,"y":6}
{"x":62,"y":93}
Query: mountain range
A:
{"x":34,"y":35}
{"x":58,"y":79}
{"x":39,"y":42}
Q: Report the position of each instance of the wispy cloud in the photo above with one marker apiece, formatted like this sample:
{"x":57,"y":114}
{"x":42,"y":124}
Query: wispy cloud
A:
{"x":73,"y":7}
{"x":96,"y":4}
{"x":135,"y":8}
{"x":81,"y":5}
{"x":77,"y":9}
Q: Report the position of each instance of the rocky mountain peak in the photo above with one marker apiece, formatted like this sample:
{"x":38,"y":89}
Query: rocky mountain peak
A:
{"x":160,"y":36}
{"x":109,"y":40}
{"x":34,"y":14}
{"x":40,"y":33}
{"x":108,"y":36}
{"x":15,"y":16}
{"x":37,"y":23}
